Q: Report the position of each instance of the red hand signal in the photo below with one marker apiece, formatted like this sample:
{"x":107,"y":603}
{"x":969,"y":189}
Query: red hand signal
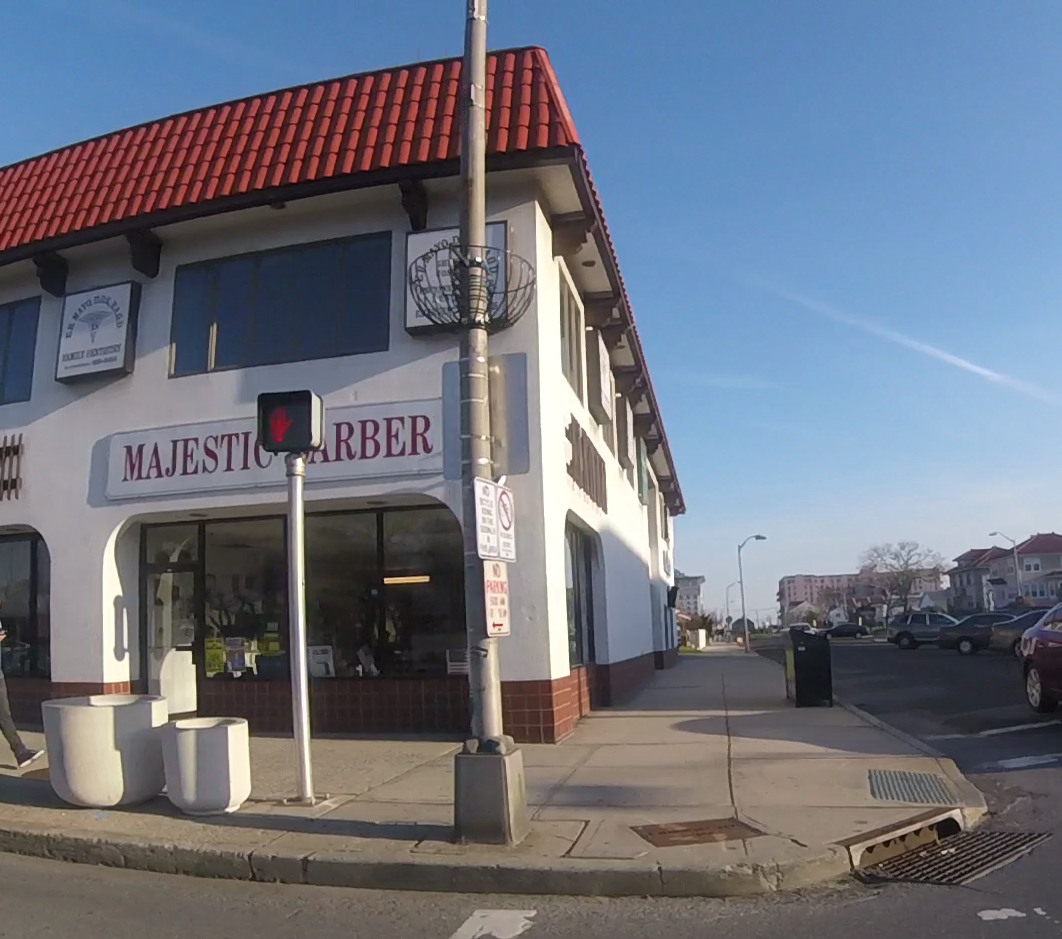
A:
{"x":279,"y":422}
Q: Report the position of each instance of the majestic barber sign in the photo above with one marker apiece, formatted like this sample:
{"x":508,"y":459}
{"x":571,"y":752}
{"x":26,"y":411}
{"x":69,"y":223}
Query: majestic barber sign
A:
{"x":377,"y":440}
{"x":97,"y":335}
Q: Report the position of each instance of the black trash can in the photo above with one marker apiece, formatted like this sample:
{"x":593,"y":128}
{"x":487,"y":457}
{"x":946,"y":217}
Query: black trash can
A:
{"x":812,"y":668}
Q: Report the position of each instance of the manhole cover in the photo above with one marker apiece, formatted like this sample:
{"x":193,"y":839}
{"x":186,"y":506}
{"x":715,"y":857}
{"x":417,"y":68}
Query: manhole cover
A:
{"x":891,"y":785}
{"x":713,"y":830}
{"x":957,"y":860}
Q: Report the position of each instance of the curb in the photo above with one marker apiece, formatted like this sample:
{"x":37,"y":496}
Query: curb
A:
{"x":501,"y":874}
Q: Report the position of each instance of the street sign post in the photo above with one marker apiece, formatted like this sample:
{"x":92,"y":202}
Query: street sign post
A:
{"x":495,"y":521}
{"x":292,"y":423}
{"x":496,"y":596}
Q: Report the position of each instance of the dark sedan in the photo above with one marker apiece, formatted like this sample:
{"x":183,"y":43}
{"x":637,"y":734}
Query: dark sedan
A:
{"x":847,"y":631}
{"x":972,"y":633}
{"x":1006,"y":637}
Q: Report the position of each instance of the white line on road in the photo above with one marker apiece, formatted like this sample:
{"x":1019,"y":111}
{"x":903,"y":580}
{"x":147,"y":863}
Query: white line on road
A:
{"x":1024,"y":762}
{"x":995,"y":731}
{"x":495,"y":924}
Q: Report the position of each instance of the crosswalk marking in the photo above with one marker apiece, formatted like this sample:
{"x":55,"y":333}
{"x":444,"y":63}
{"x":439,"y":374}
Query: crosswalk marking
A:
{"x":495,"y":924}
{"x":995,"y":731}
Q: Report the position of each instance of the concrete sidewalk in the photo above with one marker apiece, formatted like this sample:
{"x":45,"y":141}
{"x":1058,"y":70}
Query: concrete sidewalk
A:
{"x":712,"y":740}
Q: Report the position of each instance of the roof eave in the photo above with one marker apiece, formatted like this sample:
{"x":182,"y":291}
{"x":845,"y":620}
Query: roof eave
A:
{"x":591,"y":205}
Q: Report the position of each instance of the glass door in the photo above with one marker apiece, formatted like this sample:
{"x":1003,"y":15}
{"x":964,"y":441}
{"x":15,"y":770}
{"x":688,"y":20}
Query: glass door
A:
{"x":171,"y":577}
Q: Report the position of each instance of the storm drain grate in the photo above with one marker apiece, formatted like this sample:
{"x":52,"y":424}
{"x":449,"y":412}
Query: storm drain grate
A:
{"x":711,"y":831}
{"x":892,"y":785}
{"x":956,"y":860}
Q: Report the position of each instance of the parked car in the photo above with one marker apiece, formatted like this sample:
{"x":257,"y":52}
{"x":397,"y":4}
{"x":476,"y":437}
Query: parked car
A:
{"x":910,"y":630}
{"x":972,"y":633}
{"x":1006,"y":637}
{"x":847,"y":631}
{"x":1041,"y":647}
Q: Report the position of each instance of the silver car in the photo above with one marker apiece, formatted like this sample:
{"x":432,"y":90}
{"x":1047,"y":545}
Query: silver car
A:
{"x":1006,"y":637}
{"x":911,"y":630}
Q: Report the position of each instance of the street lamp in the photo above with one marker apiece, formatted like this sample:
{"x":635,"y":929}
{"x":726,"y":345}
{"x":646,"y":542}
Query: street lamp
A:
{"x":726,"y":606}
{"x":741,"y":586}
{"x":1014,"y":545}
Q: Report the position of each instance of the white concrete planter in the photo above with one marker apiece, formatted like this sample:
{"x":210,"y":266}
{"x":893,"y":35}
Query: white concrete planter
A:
{"x":208,"y":764}
{"x":105,"y":749}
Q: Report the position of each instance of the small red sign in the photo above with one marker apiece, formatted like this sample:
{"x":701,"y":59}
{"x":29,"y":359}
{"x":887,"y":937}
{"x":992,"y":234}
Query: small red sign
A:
{"x":279,"y":422}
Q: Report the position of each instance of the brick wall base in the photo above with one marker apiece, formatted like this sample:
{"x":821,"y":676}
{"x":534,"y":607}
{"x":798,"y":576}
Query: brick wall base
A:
{"x":616,"y":683}
{"x":668,"y":658}
{"x":346,"y":706}
{"x":533,"y":711}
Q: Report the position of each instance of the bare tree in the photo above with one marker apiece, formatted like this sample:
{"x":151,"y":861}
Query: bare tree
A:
{"x":899,"y":567}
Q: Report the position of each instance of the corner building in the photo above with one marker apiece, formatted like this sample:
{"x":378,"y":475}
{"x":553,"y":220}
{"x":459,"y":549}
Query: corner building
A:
{"x":155,"y":280}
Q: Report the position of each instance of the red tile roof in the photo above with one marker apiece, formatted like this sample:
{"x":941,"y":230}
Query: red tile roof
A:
{"x":393,"y":118}
{"x":1049,"y":543}
{"x":342,"y":133}
{"x":967,"y":558}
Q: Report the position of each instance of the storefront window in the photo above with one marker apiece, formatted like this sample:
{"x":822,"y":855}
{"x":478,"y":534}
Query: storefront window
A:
{"x":168,"y":545}
{"x":342,"y":593}
{"x":246,"y":599}
{"x":423,"y":589}
{"x":384,"y":593}
{"x":22,"y":652}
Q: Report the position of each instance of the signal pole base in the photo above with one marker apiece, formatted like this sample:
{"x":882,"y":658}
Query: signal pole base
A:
{"x":490,"y":793}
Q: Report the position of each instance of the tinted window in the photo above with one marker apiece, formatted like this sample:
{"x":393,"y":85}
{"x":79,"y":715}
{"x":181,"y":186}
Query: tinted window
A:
{"x":18,"y":345}
{"x":303,"y":302}
{"x":938,"y":619}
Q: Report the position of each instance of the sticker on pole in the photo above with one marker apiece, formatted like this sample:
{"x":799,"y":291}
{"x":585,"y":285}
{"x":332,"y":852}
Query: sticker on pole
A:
{"x":496,"y":595}
{"x":495,"y":521}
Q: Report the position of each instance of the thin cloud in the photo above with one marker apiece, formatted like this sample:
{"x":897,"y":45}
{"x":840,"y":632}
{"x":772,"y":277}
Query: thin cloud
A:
{"x":205,"y":41}
{"x":907,"y":342}
{"x":726,"y":382}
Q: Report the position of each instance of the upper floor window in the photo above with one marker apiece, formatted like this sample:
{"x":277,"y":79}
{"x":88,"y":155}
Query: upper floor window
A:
{"x":18,"y":347}
{"x":572,"y":334}
{"x":292,"y":304}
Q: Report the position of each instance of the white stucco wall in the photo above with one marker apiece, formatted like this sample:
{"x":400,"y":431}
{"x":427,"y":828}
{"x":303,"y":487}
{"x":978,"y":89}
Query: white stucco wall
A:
{"x":94,"y":541}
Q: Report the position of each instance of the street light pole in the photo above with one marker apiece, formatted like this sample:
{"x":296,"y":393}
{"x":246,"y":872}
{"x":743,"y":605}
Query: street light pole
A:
{"x":1014,"y":547}
{"x":741,"y":587}
{"x":726,"y":605}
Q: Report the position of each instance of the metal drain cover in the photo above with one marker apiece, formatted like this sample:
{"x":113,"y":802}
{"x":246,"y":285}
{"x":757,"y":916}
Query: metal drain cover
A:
{"x":710,"y":831}
{"x":892,"y":785}
{"x":956,"y":860}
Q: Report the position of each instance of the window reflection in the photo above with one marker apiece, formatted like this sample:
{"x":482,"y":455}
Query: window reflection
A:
{"x":246,"y":599}
{"x":384,"y":593}
{"x":26,"y":650}
{"x":342,"y":594}
{"x":423,"y":585}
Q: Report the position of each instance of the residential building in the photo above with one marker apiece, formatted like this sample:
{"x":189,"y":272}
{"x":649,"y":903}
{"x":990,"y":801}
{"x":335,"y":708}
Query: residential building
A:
{"x":968,"y":585}
{"x":155,"y":280}
{"x":690,"y":597}
{"x":824,"y":592}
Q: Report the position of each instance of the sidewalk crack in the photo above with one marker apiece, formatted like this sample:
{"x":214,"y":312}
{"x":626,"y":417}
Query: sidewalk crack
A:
{"x":729,"y":746}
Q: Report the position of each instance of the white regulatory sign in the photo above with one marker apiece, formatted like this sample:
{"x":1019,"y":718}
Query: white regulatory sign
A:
{"x":495,"y":521}
{"x":496,"y":596}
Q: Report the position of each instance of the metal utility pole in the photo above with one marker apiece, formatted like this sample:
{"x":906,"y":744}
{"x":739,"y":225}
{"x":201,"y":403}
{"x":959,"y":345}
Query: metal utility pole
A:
{"x":726,"y":605}
{"x":741,"y":587}
{"x":490,"y":796}
{"x":295,"y":463}
{"x":484,"y":675}
{"x":1017,"y":566}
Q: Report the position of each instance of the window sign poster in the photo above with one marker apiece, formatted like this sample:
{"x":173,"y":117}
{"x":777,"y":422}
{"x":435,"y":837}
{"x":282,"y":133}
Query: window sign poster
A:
{"x":97,"y":332}
{"x":419,"y":243}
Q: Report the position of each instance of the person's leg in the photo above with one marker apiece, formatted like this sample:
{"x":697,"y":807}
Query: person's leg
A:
{"x":7,"y":724}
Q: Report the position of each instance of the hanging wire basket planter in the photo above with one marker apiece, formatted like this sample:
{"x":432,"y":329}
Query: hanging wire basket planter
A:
{"x":501,"y":286}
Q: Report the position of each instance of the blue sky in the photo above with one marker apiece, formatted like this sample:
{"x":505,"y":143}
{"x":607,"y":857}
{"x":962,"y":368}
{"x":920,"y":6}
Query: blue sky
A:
{"x":839,"y":223}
